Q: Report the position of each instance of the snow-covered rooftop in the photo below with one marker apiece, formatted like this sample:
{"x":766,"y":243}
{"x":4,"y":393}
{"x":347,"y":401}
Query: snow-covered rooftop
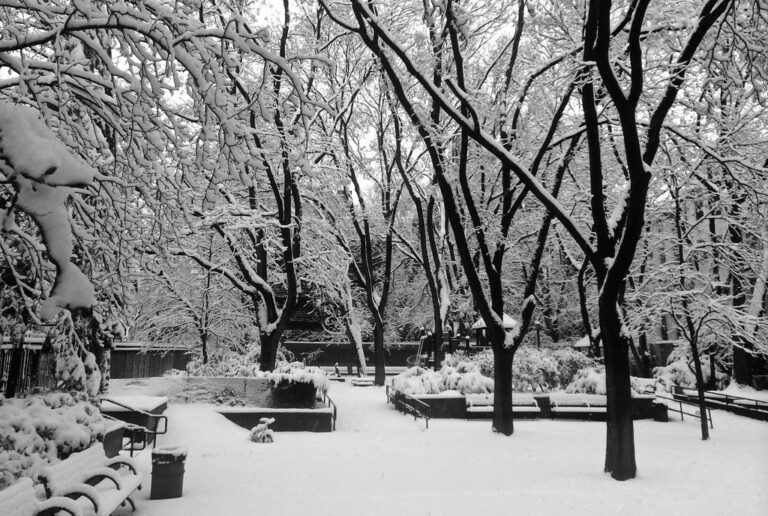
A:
{"x":507,"y":321}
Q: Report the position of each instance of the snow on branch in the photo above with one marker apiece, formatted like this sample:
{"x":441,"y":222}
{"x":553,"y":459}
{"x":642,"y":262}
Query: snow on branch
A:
{"x":44,"y":172}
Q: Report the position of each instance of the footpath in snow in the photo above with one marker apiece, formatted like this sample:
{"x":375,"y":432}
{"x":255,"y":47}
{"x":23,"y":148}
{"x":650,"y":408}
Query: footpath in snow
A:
{"x":380,"y":462}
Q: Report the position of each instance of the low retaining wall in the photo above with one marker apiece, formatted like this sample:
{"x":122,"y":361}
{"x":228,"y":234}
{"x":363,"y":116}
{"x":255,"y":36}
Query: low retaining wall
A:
{"x":293,"y":406}
{"x":257,"y":392}
{"x":319,"y":419}
{"x":455,"y":406}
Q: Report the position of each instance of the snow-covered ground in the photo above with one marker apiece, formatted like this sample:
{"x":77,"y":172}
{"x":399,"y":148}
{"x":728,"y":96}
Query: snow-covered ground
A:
{"x":381,"y":462}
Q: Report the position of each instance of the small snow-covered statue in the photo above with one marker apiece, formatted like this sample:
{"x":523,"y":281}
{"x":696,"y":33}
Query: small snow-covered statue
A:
{"x":336,"y":371}
{"x":261,"y":433}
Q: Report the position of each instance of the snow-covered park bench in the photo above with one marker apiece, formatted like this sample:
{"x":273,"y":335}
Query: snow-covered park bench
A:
{"x":97,"y":484}
{"x":481,"y":405}
{"x":581,"y":406}
{"x":20,"y":499}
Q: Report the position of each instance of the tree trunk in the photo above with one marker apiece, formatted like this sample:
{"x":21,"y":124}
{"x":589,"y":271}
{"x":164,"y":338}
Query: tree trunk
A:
{"x":742,"y":370}
{"x":712,"y":384}
{"x":15,"y":373}
{"x":204,"y":345}
{"x":378,"y":351}
{"x":270,"y":342}
{"x":437,"y":337}
{"x":645,"y":355}
{"x":503,"y":421}
{"x":104,"y":361}
{"x":700,"y":390}
{"x":355,"y":339}
{"x":620,"y":435}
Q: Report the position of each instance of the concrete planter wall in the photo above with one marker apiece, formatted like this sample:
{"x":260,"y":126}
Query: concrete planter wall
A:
{"x":258,"y":392}
{"x":286,"y":420}
{"x":293,"y":405}
{"x":454,"y":406}
{"x":293,"y":395}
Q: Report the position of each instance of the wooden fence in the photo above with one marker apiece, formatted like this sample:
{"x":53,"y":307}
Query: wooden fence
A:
{"x":33,"y":365}
{"x":132,"y":360}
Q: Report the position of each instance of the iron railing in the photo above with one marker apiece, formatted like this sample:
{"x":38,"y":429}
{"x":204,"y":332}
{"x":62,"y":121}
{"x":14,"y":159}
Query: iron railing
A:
{"x":409,"y":405}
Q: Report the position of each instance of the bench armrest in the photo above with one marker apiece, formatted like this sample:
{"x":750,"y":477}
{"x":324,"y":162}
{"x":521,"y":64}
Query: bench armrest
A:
{"x":115,"y":463}
{"x":96,"y":475}
{"x":58,"y":503}
{"x":82,"y":490}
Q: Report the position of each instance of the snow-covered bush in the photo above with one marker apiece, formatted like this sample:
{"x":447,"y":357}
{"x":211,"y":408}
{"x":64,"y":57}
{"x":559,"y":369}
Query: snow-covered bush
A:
{"x":532,"y":369}
{"x":233,"y":365}
{"x":297,"y":372}
{"x":569,"y":362}
{"x":481,"y":361}
{"x":680,"y":371}
{"x":43,"y":428}
{"x":474,"y":382}
{"x":417,"y":380}
{"x":591,"y":380}
{"x":463,"y":377}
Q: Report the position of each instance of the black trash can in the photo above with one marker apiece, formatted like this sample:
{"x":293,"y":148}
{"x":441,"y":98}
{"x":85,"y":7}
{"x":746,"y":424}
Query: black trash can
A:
{"x":660,"y":412}
{"x":167,"y":472}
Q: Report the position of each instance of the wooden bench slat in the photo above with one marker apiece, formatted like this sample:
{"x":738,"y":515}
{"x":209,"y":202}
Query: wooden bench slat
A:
{"x":20,"y":499}
{"x":98,"y":483}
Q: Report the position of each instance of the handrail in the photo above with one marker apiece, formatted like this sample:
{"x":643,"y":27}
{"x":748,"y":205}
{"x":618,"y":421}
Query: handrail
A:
{"x":682,"y":412}
{"x":157,"y":419}
{"x":407,"y":404}
{"x":328,"y":401}
{"x":728,"y":399}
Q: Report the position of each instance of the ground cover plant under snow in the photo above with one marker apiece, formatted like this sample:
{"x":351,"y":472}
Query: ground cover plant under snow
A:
{"x":297,"y":372}
{"x":532,"y":370}
{"x":44,"y":428}
{"x":680,"y":371}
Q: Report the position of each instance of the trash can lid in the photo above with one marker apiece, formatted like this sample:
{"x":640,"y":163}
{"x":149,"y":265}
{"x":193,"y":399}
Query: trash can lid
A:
{"x":169,"y":453}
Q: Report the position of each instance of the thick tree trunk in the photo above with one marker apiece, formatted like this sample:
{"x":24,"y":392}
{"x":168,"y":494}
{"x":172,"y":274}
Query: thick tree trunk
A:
{"x":742,"y":370}
{"x":620,"y":435}
{"x":503,"y":421}
{"x":204,"y":345}
{"x":378,"y":351}
{"x":437,"y":337}
{"x":355,"y":339}
{"x":270,"y":342}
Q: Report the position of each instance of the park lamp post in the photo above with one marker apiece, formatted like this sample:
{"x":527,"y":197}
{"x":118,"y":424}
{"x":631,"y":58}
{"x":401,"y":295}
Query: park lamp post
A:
{"x":537,"y":325}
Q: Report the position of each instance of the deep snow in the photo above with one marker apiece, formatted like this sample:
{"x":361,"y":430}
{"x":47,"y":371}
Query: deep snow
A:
{"x":381,"y":462}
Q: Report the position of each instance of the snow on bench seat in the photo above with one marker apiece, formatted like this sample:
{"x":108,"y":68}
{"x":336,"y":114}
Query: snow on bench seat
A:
{"x":515,"y":408}
{"x":578,"y":404}
{"x":483,"y":404}
{"x":98,"y":484}
{"x":571,"y":408}
{"x":20,"y":499}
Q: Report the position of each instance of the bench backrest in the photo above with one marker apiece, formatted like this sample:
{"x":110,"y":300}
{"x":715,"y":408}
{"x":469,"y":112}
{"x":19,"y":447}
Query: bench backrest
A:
{"x":20,"y":499}
{"x":518,"y":400}
{"x":75,"y":469}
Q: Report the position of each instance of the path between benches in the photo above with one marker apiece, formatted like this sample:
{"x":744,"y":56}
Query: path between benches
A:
{"x":380,"y":462}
